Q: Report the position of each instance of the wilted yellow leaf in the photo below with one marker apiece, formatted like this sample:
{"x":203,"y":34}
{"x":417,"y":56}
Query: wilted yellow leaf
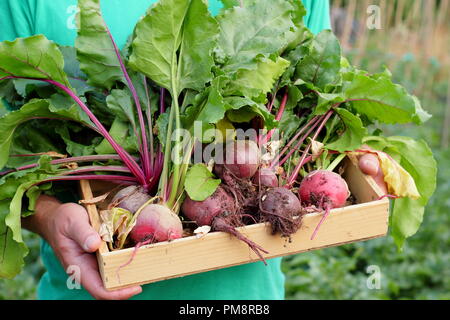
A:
{"x":270,"y":150}
{"x":116,"y":224}
{"x":106,"y":228}
{"x":398,"y":180}
{"x":123,"y":222}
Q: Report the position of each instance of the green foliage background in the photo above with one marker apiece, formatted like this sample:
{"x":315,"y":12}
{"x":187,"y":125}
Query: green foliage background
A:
{"x":421,"y":270}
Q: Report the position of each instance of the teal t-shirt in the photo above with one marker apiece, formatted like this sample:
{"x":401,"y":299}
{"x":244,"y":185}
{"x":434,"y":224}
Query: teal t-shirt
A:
{"x":56,"y":20}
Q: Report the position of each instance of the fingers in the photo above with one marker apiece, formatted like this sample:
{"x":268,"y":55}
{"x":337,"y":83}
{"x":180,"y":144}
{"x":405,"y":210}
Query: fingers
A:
{"x":75,"y":246}
{"x":91,"y":281}
{"x":78,"y":228}
{"x":369,"y":164}
{"x":89,"y":276}
{"x":379,"y":179}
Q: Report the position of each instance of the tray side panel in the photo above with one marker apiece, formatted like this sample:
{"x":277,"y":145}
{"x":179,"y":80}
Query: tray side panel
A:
{"x":219,"y":250}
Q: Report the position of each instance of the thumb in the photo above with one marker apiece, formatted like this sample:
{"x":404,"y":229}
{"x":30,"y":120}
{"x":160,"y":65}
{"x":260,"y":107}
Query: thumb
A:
{"x":81,"y":231}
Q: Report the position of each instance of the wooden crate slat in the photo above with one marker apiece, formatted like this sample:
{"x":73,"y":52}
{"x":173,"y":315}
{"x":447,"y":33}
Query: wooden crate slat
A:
{"x":94,"y":217}
{"x":190,"y":255}
{"x":217,"y":250}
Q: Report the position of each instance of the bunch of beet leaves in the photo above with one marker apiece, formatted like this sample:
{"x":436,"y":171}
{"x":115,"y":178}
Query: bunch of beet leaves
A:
{"x":99,"y":112}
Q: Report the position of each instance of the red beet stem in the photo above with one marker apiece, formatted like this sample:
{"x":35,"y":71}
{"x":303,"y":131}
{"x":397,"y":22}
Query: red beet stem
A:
{"x":390,"y":196}
{"x":312,"y":122}
{"x":133,"y":254}
{"x":143,"y":143}
{"x":327,"y":212}
{"x":278,"y":117}
{"x":294,"y":175}
{"x":220,"y":224}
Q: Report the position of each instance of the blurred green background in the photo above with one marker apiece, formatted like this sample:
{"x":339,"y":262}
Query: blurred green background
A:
{"x":413,"y":42}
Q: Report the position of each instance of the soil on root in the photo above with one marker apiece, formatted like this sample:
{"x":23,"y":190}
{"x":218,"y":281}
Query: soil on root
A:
{"x":276,"y":208}
{"x":245,"y":193}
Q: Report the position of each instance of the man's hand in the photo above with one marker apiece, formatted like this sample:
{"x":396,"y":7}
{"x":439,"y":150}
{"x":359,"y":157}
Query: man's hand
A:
{"x":66,"y":228}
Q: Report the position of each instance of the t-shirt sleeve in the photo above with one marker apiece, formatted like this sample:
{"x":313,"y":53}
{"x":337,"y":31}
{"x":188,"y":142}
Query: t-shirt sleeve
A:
{"x":317,"y":15}
{"x":16,"y":19}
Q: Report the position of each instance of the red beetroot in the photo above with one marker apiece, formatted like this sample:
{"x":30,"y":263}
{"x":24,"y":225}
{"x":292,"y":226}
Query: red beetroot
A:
{"x":244,"y":191}
{"x":130,"y":198}
{"x":203,"y":212}
{"x":265,"y":177}
{"x":156,"y":223}
{"x":242,"y":158}
{"x":282,"y":209}
{"x":325,"y":190}
{"x":324,"y":187}
{"x":220,"y":212}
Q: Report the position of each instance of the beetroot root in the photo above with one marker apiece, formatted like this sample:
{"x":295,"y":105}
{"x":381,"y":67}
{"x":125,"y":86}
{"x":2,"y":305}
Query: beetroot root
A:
{"x":325,"y":190}
{"x":242,"y":158}
{"x":203,"y":212}
{"x":223,"y":224}
{"x":156,"y":223}
{"x":130,"y":198}
{"x":221,"y":213}
{"x":265,"y":177}
{"x":282,"y":209}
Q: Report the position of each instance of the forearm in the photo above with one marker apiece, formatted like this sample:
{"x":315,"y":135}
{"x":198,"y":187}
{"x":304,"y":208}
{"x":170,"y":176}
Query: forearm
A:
{"x":37,"y":222}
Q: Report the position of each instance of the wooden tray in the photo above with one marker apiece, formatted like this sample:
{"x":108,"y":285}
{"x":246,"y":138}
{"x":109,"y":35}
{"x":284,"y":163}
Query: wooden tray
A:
{"x":365,"y":220}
